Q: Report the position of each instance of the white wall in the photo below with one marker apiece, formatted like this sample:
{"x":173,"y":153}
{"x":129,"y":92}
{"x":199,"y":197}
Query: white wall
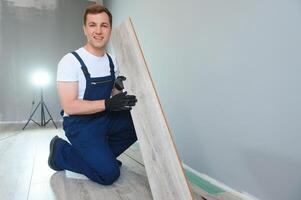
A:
{"x":228,"y":75}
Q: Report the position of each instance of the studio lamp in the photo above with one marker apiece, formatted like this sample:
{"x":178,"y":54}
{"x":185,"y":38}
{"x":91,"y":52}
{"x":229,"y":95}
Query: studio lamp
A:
{"x":40,"y":79}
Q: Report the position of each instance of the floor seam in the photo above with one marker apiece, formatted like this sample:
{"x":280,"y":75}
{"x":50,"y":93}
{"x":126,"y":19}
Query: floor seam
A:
{"x":134,"y":159}
{"x":33,"y":166}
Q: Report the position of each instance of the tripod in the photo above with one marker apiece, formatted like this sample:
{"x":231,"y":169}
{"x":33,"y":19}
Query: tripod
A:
{"x":43,"y":106}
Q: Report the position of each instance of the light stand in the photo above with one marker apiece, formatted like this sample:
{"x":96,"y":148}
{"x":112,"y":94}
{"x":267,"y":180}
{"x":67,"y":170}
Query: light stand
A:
{"x":43,"y":119}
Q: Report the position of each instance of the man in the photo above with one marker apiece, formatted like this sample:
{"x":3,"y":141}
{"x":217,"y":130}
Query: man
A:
{"x":97,"y":119}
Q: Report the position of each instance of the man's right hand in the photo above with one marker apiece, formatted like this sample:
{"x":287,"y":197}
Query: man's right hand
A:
{"x":120,"y":102}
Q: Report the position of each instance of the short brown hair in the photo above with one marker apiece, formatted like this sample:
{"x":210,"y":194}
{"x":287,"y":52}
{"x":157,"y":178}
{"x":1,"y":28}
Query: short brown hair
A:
{"x":97,"y":8}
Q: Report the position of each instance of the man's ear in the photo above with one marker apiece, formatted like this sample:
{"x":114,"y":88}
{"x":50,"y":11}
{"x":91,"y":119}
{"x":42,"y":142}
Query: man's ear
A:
{"x":84,"y":29}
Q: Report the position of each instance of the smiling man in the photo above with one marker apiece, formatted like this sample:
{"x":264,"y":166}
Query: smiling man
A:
{"x":96,"y":111}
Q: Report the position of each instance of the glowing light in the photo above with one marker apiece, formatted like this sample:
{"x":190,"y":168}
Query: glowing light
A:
{"x":40,"y":78}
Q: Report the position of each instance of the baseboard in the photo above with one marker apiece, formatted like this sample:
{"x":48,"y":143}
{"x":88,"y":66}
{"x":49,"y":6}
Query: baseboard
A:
{"x":213,"y":186}
{"x":24,"y":121}
{"x":13,"y":122}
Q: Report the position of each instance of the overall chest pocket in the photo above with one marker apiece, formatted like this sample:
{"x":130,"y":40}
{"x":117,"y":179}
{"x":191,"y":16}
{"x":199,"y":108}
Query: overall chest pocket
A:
{"x":99,"y":88}
{"x":100,"y":82}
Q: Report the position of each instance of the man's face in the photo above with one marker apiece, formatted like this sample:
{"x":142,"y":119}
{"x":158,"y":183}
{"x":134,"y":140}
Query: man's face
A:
{"x":97,"y":30}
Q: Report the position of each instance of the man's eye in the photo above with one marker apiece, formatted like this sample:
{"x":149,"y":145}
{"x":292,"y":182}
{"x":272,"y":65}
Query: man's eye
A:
{"x":91,"y":25}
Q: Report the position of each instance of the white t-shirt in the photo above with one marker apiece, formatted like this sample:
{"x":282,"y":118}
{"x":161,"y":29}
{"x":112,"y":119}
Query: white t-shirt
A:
{"x":69,"y":68}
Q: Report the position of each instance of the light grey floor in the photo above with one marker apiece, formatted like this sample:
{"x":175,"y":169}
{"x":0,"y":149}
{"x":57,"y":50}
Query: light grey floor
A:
{"x":24,"y":173}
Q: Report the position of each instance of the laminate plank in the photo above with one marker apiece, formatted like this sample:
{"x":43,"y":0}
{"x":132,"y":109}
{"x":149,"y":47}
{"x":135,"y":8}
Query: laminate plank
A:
{"x":164,"y":170}
{"x":41,"y":190}
{"x":134,"y":153}
{"x":132,"y":181}
{"x":16,"y":164}
{"x":42,"y":172}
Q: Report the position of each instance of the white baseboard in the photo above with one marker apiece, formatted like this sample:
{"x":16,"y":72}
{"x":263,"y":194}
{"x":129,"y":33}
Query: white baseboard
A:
{"x":22,"y":122}
{"x":13,"y":122}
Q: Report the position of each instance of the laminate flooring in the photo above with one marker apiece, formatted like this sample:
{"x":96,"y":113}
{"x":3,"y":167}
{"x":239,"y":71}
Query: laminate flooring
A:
{"x":25,"y":175}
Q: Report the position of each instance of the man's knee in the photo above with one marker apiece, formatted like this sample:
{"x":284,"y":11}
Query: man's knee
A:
{"x":109,"y":177}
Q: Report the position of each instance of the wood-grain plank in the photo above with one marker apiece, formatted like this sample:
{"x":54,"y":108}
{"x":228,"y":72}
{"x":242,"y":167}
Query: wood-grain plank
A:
{"x":164,"y":170}
{"x":133,"y":181}
{"x":16,"y":164}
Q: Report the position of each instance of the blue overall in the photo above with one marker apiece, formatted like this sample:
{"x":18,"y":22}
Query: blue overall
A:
{"x":96,"y":139}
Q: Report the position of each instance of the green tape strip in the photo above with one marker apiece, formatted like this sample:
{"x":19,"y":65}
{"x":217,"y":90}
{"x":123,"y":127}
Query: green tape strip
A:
{"x":203,"y":184}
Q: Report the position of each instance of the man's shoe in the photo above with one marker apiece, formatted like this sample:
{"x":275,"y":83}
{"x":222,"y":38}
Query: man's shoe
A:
{"x":51,"y":154}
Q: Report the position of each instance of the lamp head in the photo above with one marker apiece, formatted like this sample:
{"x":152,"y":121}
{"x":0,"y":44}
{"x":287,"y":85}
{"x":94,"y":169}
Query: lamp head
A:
{"x":40,"y":78}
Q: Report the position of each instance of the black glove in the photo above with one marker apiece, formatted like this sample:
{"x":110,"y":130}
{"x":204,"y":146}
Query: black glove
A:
{"x":120,"y":102}
{"x":118,"y":84}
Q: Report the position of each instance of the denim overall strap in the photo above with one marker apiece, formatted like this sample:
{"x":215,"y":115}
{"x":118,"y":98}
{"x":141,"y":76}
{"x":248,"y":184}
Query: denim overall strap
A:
{"x":83,"y":66}
{"x":111,"y":66}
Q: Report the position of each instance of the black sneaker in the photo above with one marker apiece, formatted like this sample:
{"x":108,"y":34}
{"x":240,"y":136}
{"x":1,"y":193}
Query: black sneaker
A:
{"x":52,"y":147}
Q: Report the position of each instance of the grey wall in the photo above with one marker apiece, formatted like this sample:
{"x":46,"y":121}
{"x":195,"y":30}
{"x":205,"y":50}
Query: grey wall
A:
{"x":33,"y":35}
{"x":228,"y":75}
